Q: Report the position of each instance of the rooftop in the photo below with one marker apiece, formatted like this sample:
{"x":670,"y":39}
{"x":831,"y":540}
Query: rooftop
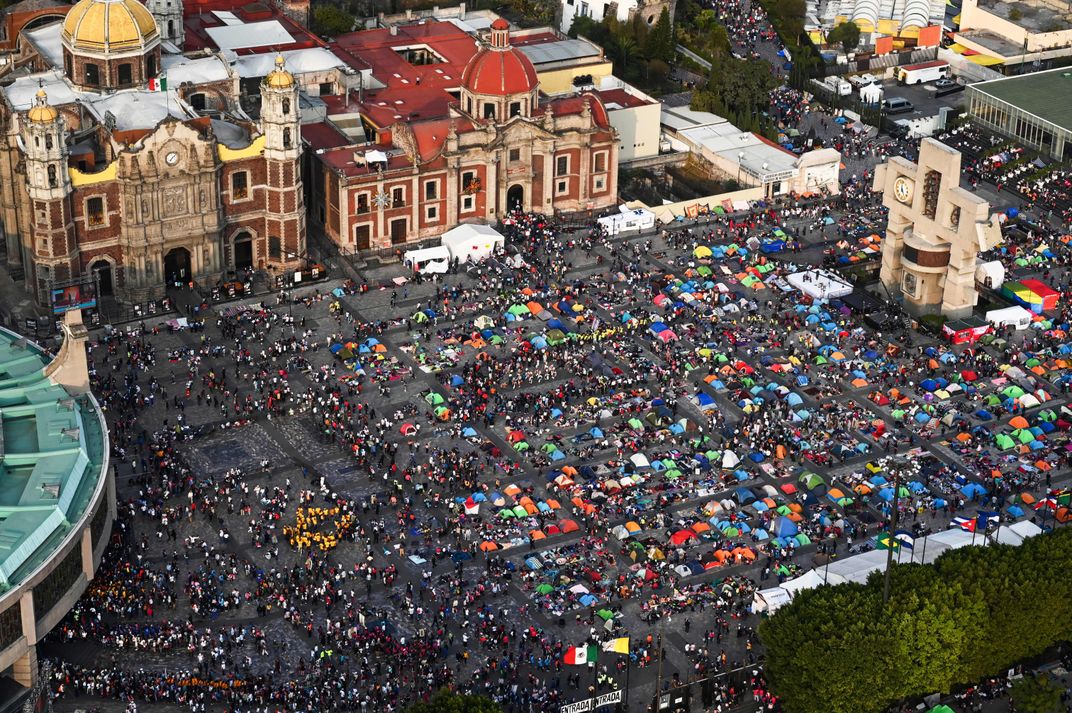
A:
{"x":1034,"y":15}
{"x":1047,"y":95}
{"x":242,"y":26}
{"x":54,"y":456}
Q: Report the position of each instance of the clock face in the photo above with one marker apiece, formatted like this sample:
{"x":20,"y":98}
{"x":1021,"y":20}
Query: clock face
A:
{"x":172,"y":158}
{"x":902,"y":190}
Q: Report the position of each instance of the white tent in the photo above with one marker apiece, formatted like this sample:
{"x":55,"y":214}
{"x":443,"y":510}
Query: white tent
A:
{"x":1015,"y":316}
{"x":1016,"y":533}
{"x":812,"y":579}
{"x":990,"y":274}
{"x":730,"y":459}
{"x":820,"y":284}
{"x":871,"y":94}
{"x":472,"y":243}
{"x":627,"y":220}
{"x":859,"y":567}
{"x":428,"y":260}
{"x":769,"y":600}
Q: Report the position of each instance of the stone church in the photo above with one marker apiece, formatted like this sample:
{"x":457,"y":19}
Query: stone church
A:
{"x":459,"y":133}
{"x":109,"y":178}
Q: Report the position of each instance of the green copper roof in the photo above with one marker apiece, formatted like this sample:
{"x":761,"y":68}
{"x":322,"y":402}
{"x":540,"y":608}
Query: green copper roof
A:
{"x":52,"y":456}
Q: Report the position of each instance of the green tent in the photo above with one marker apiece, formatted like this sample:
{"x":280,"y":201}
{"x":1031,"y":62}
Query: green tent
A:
{"x":419,"y":317}
{"x":434,"y":398}
{"x":518,"y":310}
{"x":1024,"y":436}
{"x":544,"y":589}
{"x":605,"y":614}
{"x":520,"y":511}
{"x":636,"y":424}
{"x":1004,"y":441}
{"x":811,"y":480}
{"x":506,"y":513}
{"x":941,"y":708}
{"x":1013,"y":392}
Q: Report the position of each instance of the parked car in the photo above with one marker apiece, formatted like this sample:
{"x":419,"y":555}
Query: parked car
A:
{"x":947,"y":86}
{"x":897,"y":105}
{"x":862,"y":80}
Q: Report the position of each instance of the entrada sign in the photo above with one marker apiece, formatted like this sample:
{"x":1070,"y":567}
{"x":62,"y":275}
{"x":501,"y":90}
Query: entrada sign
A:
{"x":592,"y":703}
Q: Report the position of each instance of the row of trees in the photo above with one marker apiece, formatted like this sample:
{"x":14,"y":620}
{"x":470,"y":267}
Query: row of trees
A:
{"x":445,"y":701}
{"x":973,"y":613}
{"x":739,"y":90}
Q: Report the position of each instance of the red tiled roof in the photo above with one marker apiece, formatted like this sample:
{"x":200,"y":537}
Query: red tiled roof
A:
{"x":564,"y":106}
{"x":323,"y":135}
{"x":500,"y":72}
{"x":621,"y":98}
{"x":197,"y":17}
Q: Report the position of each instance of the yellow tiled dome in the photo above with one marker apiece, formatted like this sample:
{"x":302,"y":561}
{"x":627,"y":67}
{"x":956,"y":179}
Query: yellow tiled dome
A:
{"x":41,"y":112}
{"x":279,"y":78}
{"x":109,"y":26}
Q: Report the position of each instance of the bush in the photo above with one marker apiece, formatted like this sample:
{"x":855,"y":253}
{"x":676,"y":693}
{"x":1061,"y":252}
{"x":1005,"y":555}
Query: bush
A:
{"x":973,"y":613}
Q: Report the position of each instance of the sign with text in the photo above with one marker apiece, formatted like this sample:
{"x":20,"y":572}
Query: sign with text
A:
{"x":592,"y":703}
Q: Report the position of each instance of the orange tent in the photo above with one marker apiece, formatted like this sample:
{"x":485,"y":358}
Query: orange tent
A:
{"x":1027,"y":498}
{"x":511,"y":489}
{"x":537,"y":535}
{"x":1019,"y":422}
{"x":488,"y":546}
{"x":535,"y":308}
{"x":963,"y":437}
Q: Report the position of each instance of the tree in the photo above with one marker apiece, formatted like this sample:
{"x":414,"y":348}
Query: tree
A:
{"x":1034,"y":694}
{"x":847,"y":33}
{"x":660,"y":41}
{"x":332,"y":21}
{"x":622,"y":49}
{"x":445,"y":701}
{"x":584,"y":26}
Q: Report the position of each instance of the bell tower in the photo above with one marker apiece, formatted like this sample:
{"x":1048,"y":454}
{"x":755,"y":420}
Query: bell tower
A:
{"x":53,"y":247}
{"x":168,"y":15}
{"x":281,"y":124}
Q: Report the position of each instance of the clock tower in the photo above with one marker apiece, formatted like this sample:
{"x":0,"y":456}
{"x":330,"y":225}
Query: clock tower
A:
{"x":934,"y":233}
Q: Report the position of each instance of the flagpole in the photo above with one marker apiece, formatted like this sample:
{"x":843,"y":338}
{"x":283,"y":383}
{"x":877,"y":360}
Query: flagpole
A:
{"x":628,"y":668}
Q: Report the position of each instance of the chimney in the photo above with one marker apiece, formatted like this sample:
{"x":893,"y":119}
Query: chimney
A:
{"x":461,"y":9}
{"x":394,"y":30}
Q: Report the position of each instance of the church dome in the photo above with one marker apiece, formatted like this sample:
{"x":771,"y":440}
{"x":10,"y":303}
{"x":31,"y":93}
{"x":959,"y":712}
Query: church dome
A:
{"x":279,"y":78}
{"x":499,"y":69}
{"x":109,"y":26}
{"x":42,"y":112}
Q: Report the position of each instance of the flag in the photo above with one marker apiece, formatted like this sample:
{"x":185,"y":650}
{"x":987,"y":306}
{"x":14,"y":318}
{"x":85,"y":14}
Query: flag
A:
{"x":885,"y":543}
{"x":964,"y":523}
{"x":159,"y":84}
{"x":906,"y":538}
{"x":581,"y":655}
{"x":984,"y":517}
{"x":617,"y":646}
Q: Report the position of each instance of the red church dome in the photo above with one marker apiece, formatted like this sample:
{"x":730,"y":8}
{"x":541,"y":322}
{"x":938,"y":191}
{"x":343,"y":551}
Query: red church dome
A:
{"x":500,"y":69}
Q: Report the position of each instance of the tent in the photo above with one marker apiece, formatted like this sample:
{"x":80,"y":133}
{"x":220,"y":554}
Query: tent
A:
{"x":1016,"y":533}
{"x":472,"y":243}
{"x":820,"y":284}
{"x":1015,"y":316}
{"x":769,"y":600}
{"x":428,"y":260}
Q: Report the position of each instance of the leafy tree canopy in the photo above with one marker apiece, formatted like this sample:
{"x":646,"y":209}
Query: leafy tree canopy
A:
{"x":444,"y":701}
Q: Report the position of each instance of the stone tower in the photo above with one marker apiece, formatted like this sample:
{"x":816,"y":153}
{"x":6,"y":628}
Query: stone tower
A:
{"x":49,"y":187}
{"x":168,"y":14}
{"x":281,"y":124}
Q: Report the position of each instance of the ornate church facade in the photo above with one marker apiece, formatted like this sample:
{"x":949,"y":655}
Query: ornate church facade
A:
{"x":105,"y":181}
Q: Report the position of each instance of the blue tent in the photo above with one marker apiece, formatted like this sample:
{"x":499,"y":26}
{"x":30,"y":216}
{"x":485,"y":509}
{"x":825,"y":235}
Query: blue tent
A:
{"x":794,"y":399}
{"x":469,"y":432}
{"x":984,"y":415}
{"x":595,"y":432}
{"x":928,"y":384}
{"x":704,"y":399}
{"x":1015,"y":511}
{"x":784,"y":527}
{"x":456,"y":380}
{"x":744,"y":496}
{"x":756,"y":457}
{"x":973,"y":490}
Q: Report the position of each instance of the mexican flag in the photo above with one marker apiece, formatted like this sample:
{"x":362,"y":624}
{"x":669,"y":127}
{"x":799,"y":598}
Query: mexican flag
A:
{"x":159,"y":84}
{"x":581,"y":655}
{"x":618,"y":646}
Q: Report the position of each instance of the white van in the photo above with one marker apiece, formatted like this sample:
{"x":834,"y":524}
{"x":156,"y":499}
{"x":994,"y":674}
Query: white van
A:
{"x":838,"y":85}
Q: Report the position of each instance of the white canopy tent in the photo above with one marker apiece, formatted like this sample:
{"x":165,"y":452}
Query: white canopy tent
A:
{"x":820,"y":284}
{"x":472,"y":243}
{"x":1015,"y":316}
{"x":769,"y":600}
{"x":1016,"y":533}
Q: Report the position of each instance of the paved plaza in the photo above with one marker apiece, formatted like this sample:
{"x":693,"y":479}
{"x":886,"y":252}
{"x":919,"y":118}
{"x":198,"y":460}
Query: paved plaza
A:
{"x":344,"y":497}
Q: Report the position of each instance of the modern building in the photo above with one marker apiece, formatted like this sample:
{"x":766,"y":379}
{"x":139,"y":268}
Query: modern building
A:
{"x":750,"y":159}
{"x":57,"y":491}
{"x":883,"y":17}
{"x":935,"y":232}
{"x":622,"y":10}
{"x":1011,"y":33}
{"x":448,"y":130}
{"x":1034,"y":109}
{"x":126,"y":167}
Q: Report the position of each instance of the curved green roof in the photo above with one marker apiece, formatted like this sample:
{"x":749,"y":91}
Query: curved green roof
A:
{"x":53,"y":452}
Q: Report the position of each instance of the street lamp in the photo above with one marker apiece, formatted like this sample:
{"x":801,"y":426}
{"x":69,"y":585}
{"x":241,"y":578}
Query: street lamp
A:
{"x":740,"y":163}
{"x":899,"y":463}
